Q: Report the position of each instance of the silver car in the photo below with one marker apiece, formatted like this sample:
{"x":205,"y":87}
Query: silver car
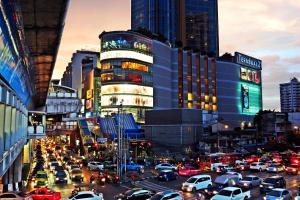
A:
{"x":249,"y":181}
{"x":278,"y":193}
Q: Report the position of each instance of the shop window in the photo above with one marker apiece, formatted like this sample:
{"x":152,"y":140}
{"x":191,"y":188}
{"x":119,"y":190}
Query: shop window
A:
{"x":107,"y":77}
{"x":105,"y":66}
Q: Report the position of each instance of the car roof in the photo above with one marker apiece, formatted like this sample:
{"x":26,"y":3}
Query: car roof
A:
{"x":167,"y":192}
{"x":85,"y":192}
{"x":231,"y":188}
{"x":200,"y":176}
{"x":279,"y":189}
{"x":166,"y":170}
{"x":276,"y":177}
{"x":251,"y":176}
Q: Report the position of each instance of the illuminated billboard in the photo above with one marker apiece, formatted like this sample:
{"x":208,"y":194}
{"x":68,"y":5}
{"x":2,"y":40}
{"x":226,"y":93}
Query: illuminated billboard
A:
{"x":245,"y":97}
{"x":128,"y":100}
{"x":126,"y":54}
{"x":250,"y":75}
{"x":125,"y":41}
{"x":126,"y":89}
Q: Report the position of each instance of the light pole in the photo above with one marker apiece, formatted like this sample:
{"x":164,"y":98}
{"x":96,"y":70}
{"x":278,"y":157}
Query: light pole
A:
{"x":119,"y":157}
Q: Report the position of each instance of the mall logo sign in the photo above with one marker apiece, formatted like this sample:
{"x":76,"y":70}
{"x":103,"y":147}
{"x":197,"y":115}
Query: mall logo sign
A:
{"x":247,"y":61}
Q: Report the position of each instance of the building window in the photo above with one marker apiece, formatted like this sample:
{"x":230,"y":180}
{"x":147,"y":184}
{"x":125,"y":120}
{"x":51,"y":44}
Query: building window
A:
{"x":135,"y":66}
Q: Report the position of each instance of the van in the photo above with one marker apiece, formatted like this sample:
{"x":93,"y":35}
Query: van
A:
{"x":197,"y":182}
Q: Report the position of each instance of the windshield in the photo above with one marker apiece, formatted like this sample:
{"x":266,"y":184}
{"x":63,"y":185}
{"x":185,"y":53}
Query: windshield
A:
{"x":274,"y":193}
{"x":253,"y":164}
{"x":60,"y":173}
{"x":76,"y":171}
{"x":247,"y":179}
{"x":226,"y":193}
{"x":41,"y":176}
{"x":270,"y":180}
{"x":157,"y":197}
{"x":130,"y":192}
{"x":191,"y":180}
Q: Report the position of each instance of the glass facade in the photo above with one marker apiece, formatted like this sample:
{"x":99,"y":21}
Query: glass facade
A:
{"x":193,"y":22}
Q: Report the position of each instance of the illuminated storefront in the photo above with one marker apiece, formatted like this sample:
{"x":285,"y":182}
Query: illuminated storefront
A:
{"x":126,"y":74}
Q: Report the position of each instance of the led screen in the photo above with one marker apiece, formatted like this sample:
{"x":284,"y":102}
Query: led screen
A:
{"x":245,"y":97}
{"x":126,"y":41}
{"x":250,"y":75}
{"x":126,"y":89}
{"x":126,"y":54}
{"x":128,"y":100}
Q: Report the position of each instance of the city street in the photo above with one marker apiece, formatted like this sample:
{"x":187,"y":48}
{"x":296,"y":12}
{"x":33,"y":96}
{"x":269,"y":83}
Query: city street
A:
{"x":151,"y":183}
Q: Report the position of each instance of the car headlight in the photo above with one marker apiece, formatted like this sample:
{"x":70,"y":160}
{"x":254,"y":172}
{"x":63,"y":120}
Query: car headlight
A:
{"x":206,"y":190}
{"x":215,"y":192}
{"x":265,"y":198}
{"x":270,"y":187}
{"x":245,"y":184}
{"x":57,"y":179}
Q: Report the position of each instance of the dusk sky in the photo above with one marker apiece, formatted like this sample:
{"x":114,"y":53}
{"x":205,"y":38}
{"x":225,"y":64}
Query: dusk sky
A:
{"x":266,"y":29}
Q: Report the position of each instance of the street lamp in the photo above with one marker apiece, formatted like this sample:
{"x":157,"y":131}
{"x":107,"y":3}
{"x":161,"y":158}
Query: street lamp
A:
{"x":296,"y":128}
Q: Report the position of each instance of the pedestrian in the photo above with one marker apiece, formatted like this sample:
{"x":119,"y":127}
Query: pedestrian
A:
{"x":92,"y":178}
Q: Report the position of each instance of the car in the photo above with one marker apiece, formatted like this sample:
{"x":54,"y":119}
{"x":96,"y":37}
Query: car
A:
{"x":249,"y":181}
{"x":230,"y":193}
{"x":189,"y":171}
{"x":172,"y":195}
{"x":297,"y":197}
{"x":259,"y":166}
{"x":86,"y":195}
{"x":278,"y":193}
{"x":45,"y":193}
{"x":163,"y":166}
{"x":74,"y":166}
{"x":58,"y":168}
{"x":53,"y":165}
{"x":167,"y":175}
{"x":41,"y":179}
{"x":61,"y":177}
{"x":94,"y":165}
{"x":276,"y":167}
{"x":132,"y":166}
{"x":195,"y":183}
{"x":14,"y":196}
{"x":242,"y":166}
{"x":78,"y":160}
{"x":239,"y":175}
{"x":135,"y":194}
{"x":272,"y":182}
{"x":76,"y":174}
{"x":292,"y":169}
{"x":220,"y":183}
{"x":221,"y":169}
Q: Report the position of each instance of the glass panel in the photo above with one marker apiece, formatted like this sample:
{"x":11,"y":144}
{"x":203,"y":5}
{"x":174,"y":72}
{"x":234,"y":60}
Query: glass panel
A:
{"x":7,"y":127}
{"x":2,"y":109}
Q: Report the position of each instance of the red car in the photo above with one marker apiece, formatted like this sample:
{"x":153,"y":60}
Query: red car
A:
{"x":45,"y":193}
{"x":189,"y":171}
{"x":292,"y":169}
{"x":242,"y":166}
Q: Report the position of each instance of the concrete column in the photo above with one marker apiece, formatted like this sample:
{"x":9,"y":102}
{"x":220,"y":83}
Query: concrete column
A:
{"x":18,"y":165}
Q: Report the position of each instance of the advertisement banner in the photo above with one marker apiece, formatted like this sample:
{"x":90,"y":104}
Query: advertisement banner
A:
{"x":245,"y":97}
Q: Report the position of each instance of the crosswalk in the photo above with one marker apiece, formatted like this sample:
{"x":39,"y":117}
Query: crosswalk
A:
{"x":157,"y":188}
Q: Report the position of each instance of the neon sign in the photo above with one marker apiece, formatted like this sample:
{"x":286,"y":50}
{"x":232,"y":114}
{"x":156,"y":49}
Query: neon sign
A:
{"x":248,"y":61}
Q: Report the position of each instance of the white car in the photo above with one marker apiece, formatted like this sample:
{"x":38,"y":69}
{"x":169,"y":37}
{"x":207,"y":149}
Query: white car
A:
{"x":237,"y":174}
{"x":232,"y":193}
{"x":86,"y":195}
{"x":197,"y":182}
{"x":163,"y":166}
{"x":94,"y":165}
{"x":258,"y":166}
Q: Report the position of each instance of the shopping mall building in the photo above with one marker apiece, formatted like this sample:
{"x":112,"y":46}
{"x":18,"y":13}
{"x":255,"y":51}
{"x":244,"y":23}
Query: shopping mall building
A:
{"x":142,"y":73}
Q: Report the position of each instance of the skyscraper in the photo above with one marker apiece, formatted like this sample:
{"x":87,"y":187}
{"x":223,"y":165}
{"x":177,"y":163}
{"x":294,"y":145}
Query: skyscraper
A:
{"x":290,"y":96}
{"x":190,"y":23}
